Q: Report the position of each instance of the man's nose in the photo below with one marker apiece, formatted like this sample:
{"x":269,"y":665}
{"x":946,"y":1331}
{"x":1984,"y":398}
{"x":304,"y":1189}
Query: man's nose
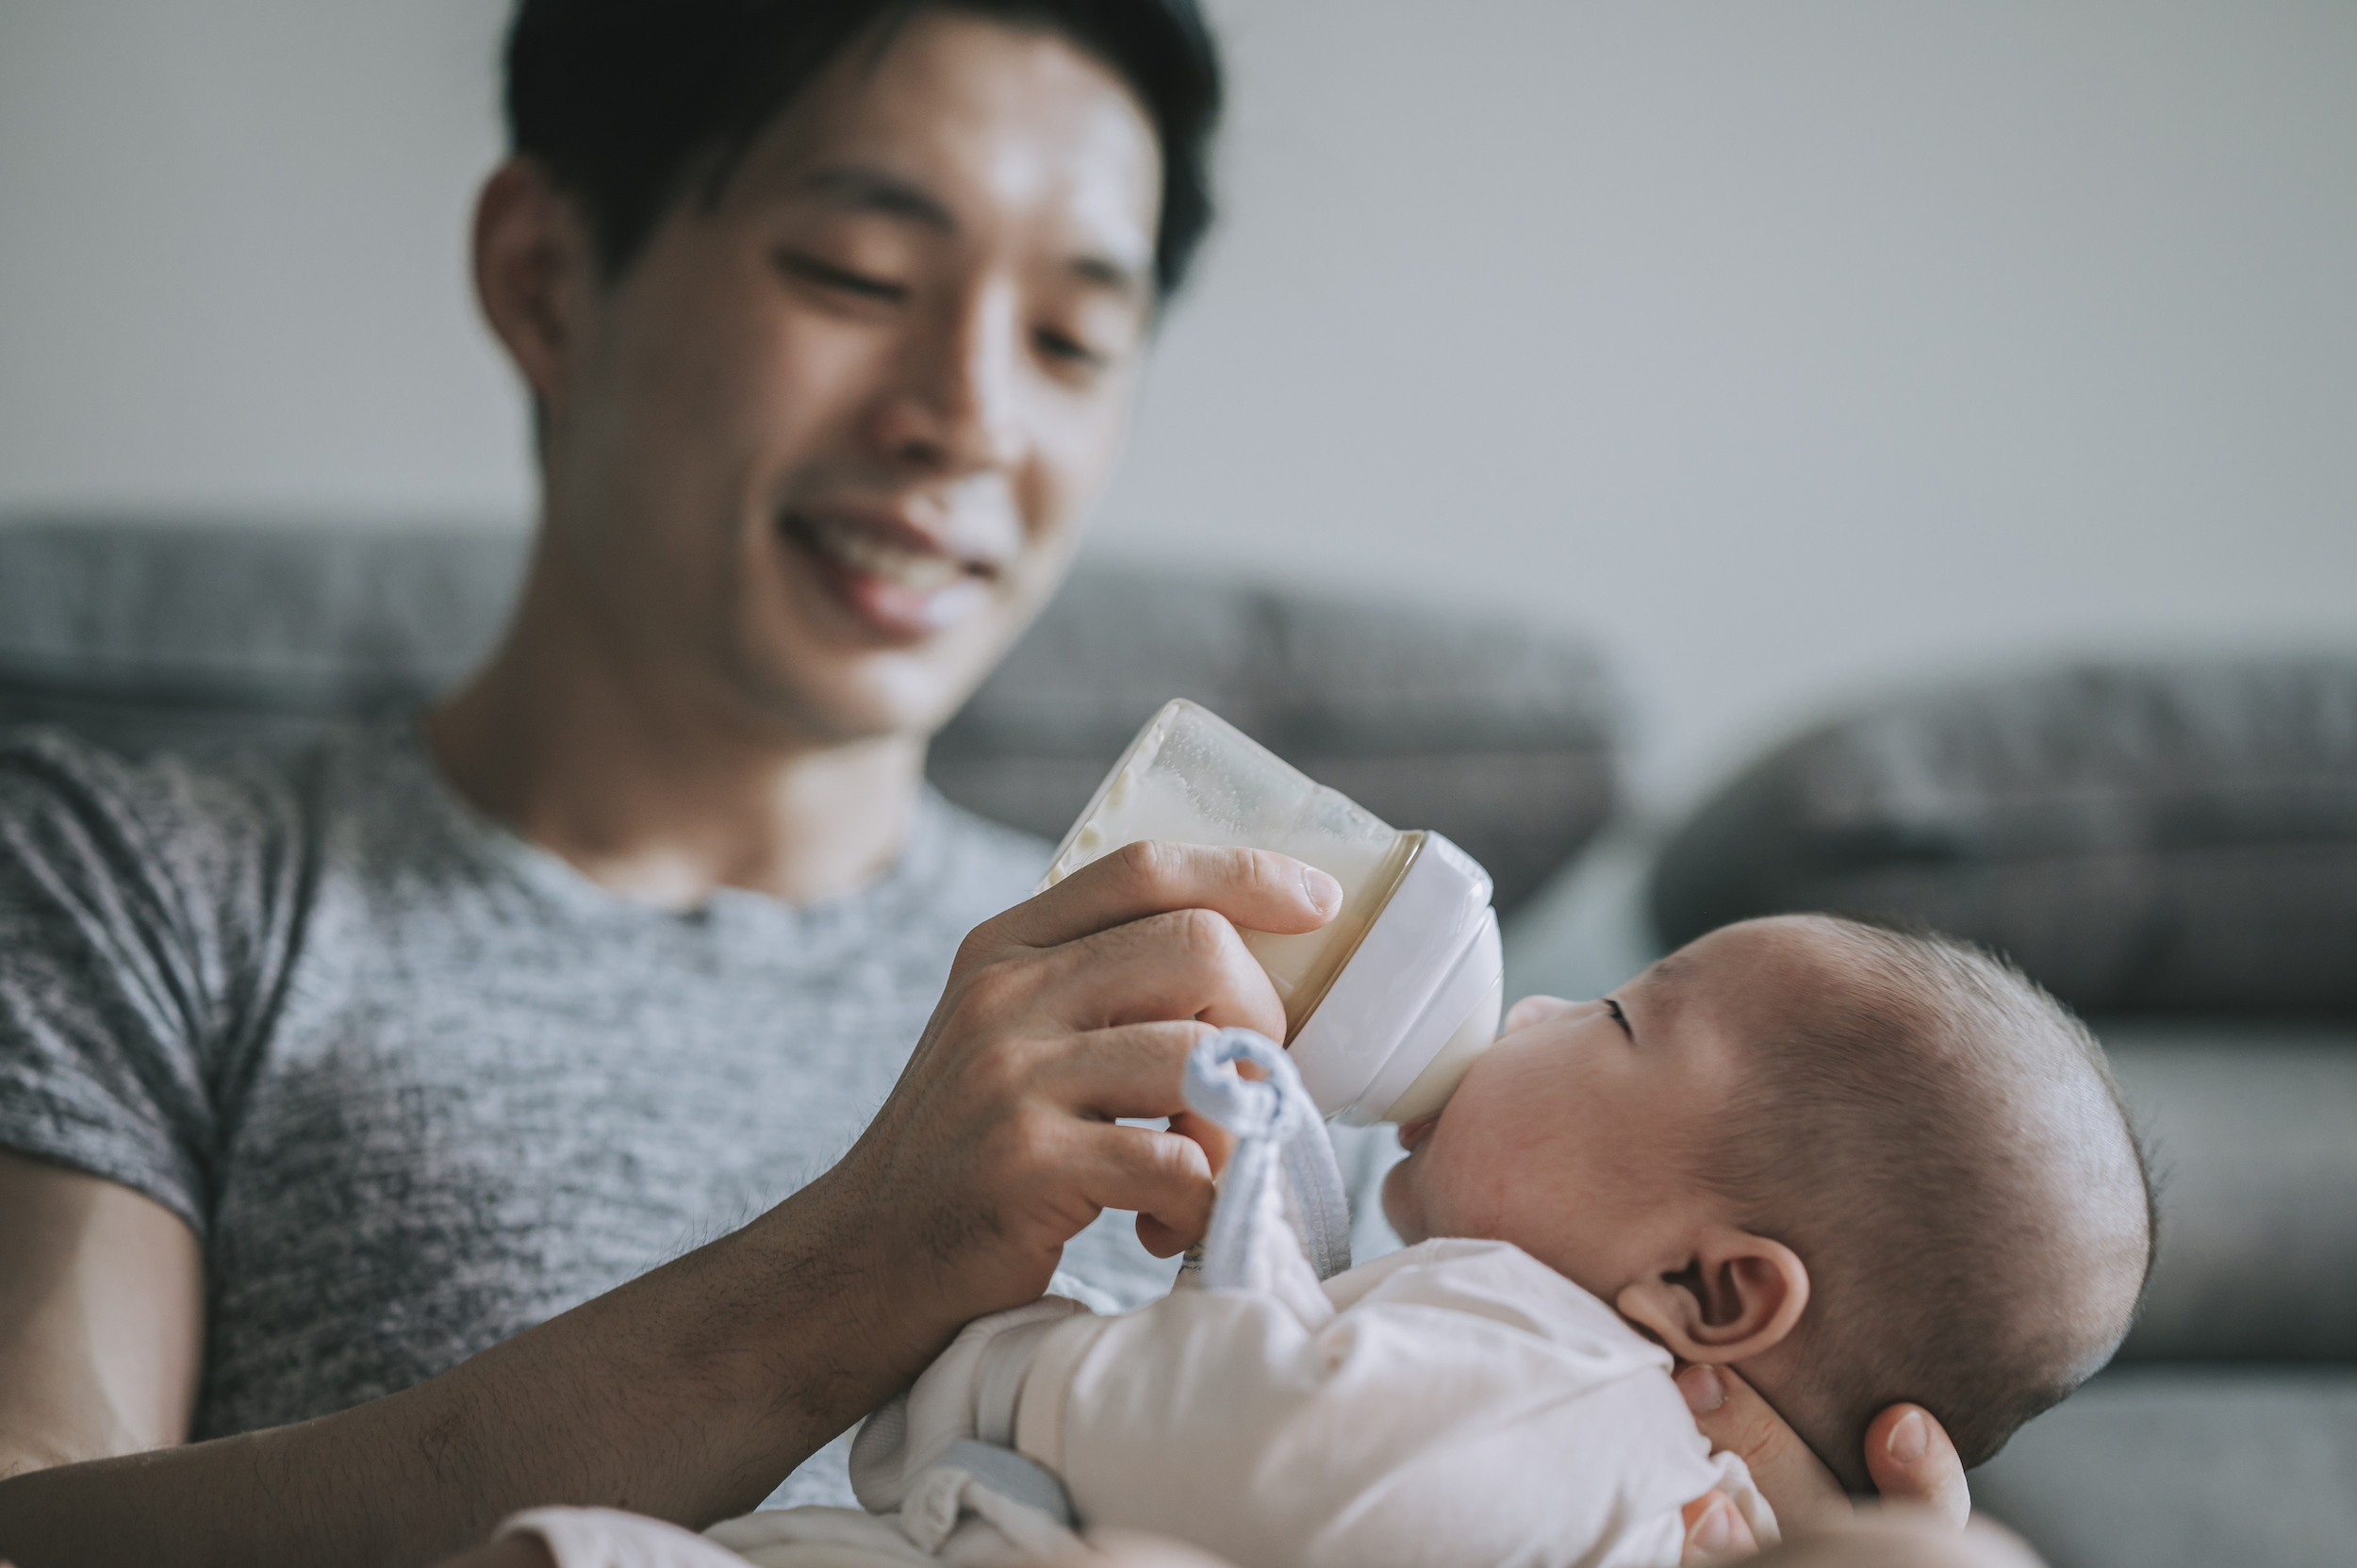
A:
{"x":956,"y":407}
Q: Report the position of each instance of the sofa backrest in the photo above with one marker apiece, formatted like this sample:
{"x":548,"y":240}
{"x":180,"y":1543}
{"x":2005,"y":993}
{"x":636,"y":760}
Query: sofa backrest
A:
{"x":151,"y":634}
{"x":2161,"y":836}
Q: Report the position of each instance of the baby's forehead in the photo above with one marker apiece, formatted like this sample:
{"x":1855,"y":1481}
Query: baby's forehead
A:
{"x":1764,"y":959}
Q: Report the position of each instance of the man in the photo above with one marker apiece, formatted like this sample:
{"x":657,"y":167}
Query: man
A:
{"x":355,"y":1107}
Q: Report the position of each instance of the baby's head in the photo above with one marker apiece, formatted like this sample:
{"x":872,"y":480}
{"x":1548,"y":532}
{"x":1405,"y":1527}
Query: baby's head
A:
{"x":1864,"y":1165}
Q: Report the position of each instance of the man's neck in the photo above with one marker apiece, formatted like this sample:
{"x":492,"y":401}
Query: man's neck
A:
{"x":657,"y":795}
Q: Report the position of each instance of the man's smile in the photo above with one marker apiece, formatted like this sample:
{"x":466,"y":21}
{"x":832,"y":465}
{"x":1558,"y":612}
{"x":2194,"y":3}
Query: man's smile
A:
{"x":898,"y":577}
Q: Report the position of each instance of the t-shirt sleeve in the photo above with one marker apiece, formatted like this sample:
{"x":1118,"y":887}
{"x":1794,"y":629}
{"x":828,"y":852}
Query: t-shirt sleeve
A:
{"x":131,"y":906}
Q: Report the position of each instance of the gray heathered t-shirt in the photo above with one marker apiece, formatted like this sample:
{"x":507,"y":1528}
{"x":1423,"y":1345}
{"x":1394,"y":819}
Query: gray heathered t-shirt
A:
{"x":418,"y":1085}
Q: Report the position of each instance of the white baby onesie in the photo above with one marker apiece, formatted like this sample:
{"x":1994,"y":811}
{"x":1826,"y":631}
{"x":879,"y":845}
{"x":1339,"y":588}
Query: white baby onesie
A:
{"x":1457,"y":1402}
{"x":1454,"y":1403}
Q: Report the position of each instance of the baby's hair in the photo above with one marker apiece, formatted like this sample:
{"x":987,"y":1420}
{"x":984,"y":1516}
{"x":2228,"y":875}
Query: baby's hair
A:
{"x":1945,"y":1147}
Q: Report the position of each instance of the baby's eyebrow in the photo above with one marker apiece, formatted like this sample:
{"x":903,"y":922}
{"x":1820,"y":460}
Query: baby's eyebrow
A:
{"x":1666,"y":983}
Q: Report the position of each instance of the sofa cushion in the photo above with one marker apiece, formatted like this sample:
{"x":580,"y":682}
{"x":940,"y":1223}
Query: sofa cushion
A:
{"x":148,"y":635}
{"x":2157,"y":837}
{"x":2252,"y":1129}
{"x":145,"y":634}
{"x":2186,"y":1468}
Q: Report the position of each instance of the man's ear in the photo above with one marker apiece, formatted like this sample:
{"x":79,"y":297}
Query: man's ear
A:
{"x":1734,"y":1295}
{"x":535,"y":270}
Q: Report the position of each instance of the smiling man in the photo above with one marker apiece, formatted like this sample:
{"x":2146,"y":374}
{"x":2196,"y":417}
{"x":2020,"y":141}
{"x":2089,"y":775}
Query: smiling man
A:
{"x":816,"y":443}
{"x":359,"y":1119}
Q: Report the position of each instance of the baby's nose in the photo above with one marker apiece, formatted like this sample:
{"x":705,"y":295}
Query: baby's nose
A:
{"x":1532,"y":1010}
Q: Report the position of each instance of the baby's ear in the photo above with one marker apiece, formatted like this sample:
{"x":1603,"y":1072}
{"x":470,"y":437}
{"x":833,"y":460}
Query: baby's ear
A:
{"x":1734,"y":1295}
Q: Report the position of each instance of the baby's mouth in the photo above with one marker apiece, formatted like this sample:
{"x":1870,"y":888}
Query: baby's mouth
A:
{"x":1412,"y":1134}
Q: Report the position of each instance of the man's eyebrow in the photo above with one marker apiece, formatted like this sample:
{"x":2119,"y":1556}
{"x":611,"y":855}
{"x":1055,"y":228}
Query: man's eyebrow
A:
{"x":861,"y":189}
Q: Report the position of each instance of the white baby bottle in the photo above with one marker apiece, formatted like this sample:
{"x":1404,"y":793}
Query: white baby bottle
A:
{"x":1387,"y":1006}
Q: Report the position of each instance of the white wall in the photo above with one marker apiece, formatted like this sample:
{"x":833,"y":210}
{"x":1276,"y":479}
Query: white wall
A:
{"x":1788,"y":347}
{"x":232,"y":257}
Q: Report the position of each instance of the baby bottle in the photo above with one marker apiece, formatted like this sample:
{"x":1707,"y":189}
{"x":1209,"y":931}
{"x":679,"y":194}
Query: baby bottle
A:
{"x":1386,"y":1005}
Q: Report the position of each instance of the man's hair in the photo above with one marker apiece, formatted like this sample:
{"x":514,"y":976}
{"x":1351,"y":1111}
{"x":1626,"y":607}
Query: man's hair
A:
{"x":1945,"y":1147}
{"x":634,"y":106}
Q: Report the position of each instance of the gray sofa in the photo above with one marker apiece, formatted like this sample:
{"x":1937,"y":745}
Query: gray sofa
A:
{"x":2228,"y":1431}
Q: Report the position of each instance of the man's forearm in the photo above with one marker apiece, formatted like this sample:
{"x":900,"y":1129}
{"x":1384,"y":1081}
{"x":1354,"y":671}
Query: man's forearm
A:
{"x":687,"y":1395}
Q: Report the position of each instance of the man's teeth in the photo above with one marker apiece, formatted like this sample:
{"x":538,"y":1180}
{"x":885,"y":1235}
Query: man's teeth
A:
{"x":862,"y":552}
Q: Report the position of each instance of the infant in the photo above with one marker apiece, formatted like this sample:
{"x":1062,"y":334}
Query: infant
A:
{"x":1861,"y":1166}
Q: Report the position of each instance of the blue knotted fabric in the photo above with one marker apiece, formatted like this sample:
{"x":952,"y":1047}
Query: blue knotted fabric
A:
{"x":1280,"y":1137}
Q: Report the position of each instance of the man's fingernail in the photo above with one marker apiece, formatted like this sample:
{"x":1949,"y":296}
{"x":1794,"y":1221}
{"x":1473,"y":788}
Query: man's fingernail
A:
{"x":1325,"y":894}
{"x":1714,"y":1532}
{"x":1704,"y":1389}
{"x":1909,"y":1439}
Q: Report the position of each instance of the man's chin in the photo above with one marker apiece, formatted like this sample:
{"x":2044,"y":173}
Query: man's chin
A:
{"x":875,"y":696}
{"x":844,"y":682}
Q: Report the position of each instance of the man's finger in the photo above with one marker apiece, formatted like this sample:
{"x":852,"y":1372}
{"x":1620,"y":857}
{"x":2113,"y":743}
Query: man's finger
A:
{"x":1136,"y":1070}
{"x":1913,"y":1463}
{"x":1716,"y":1530}
{"x":1161,"y":1240}
{"x":1216,"y":1141}
{"x":1190,"y":963}
{"x":1257,"y":889}
{"x":1736,"y":1419}
{"x":1880,"y":1538}
{"x":1162,"y":1176}
{"x":1164,"y":1239}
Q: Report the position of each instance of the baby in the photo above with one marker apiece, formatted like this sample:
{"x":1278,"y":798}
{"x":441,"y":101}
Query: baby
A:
{"x":1860,"y":1166}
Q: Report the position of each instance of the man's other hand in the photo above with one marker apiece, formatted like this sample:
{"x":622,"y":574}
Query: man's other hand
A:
{"x":1907,"y":1452}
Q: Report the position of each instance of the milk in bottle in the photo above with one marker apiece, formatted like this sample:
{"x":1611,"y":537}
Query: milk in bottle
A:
{"x":1387,"y":1006}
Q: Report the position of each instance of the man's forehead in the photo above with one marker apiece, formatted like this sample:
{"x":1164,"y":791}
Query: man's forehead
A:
{"x":956,"y":107}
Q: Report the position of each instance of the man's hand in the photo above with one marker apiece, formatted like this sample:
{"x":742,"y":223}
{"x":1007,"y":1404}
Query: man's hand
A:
{"x":1000,"y":1143}
{"x":1907,"y":1452}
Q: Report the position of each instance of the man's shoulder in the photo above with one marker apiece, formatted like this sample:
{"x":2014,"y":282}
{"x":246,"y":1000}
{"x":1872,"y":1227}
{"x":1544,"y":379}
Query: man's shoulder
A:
{"x":208,"y":829}
{"x":59,"y":791}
